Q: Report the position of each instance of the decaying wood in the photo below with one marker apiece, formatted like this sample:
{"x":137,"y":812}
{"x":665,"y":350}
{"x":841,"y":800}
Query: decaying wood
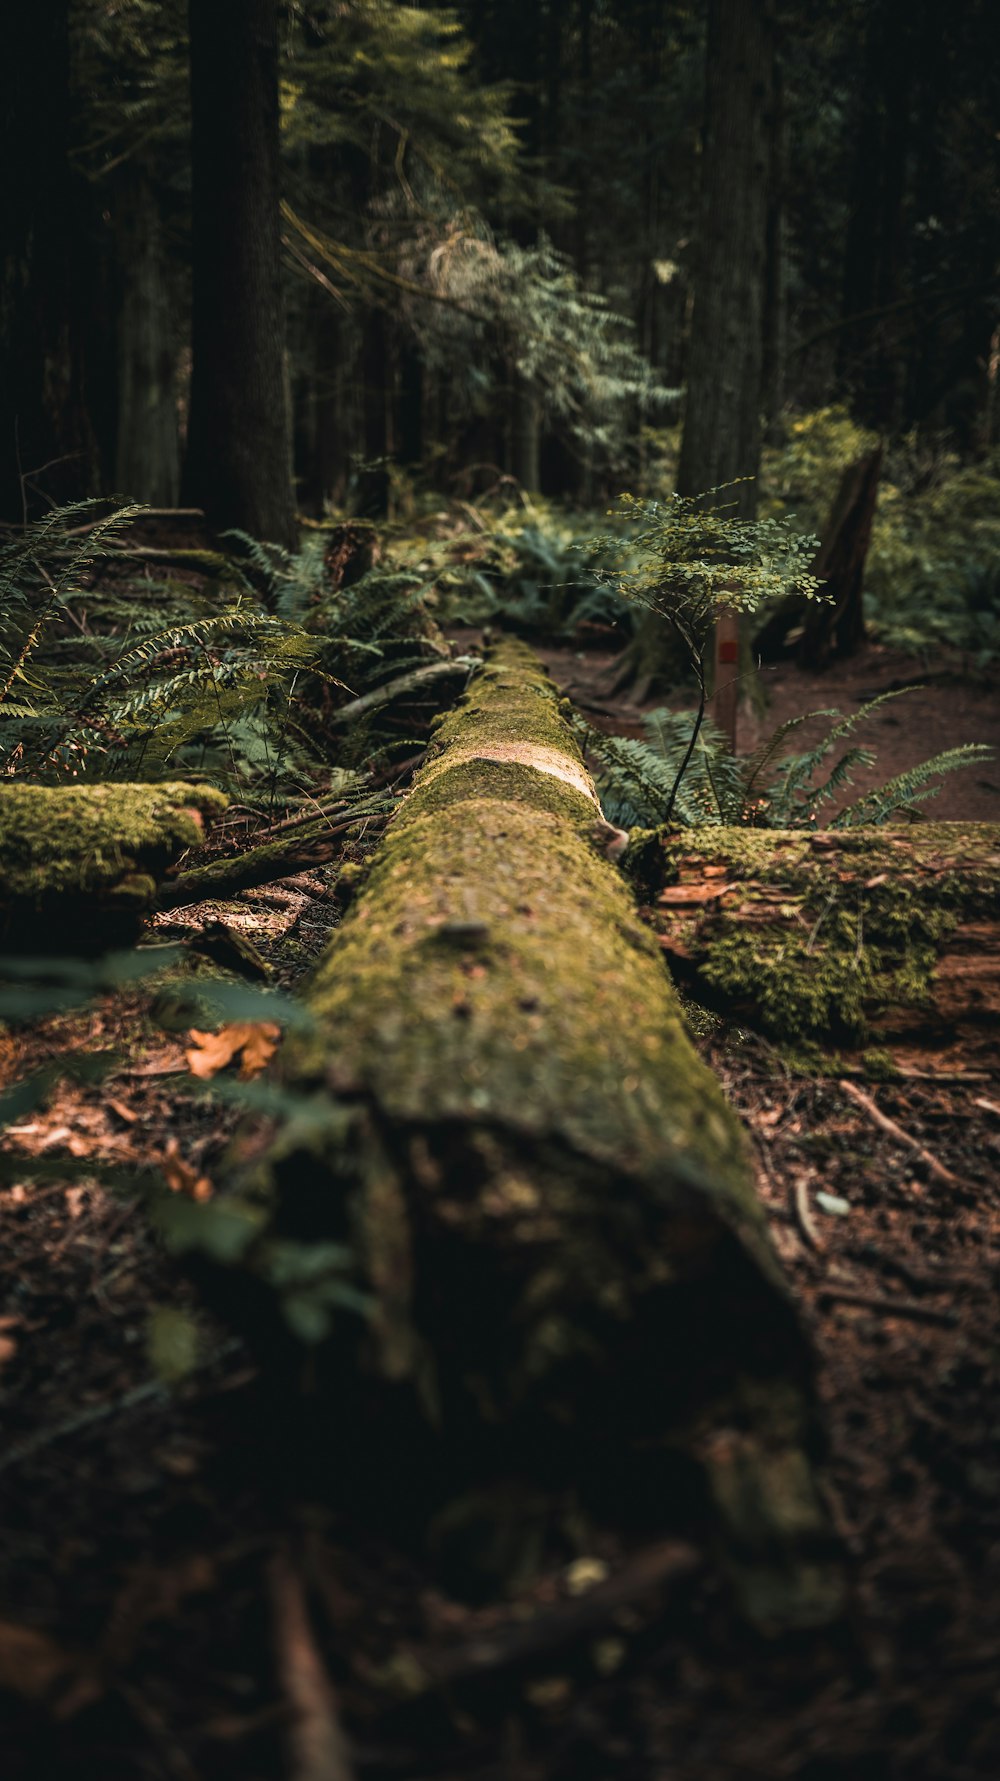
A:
{"x":80,"y":864}
{"x":549,"y":1205}
{"x":834,"y":627}
{"x":221,"y":879}
{"x":857,"y":936}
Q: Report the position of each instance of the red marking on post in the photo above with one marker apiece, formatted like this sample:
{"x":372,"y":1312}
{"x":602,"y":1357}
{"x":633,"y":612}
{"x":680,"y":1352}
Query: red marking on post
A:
{"x":728,"y":651}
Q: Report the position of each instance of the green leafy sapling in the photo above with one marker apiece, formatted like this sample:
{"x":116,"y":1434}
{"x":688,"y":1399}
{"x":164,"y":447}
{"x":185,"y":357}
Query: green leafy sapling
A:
{"x":688,"y":559}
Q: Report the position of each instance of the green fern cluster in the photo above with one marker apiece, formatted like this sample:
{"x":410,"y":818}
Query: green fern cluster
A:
{"x":538,"y":574}
{"x":639,"y":782}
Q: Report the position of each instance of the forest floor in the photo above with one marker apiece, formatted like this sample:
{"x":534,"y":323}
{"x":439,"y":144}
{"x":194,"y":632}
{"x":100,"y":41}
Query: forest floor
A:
{"x":151,"y":1554}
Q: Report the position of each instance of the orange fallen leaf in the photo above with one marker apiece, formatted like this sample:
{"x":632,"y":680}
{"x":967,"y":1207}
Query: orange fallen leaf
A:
{"x":254,"y":1042}
{"x":180,"y":1177}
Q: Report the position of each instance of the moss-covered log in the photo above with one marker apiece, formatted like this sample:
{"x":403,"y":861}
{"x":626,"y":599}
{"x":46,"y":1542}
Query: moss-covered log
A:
{"x":80,"y":864}
{"x":548,"y":1203}
{"x":852,"y":937}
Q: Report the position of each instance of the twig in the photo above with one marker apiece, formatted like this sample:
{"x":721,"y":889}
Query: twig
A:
{"x":803,"y":1214}
{"x":888,"y":1307}
{"x":318,"y":1747}
{"x":889,"y":1126}
{"x":506,"y":1647}
{"x":152,"y":1391}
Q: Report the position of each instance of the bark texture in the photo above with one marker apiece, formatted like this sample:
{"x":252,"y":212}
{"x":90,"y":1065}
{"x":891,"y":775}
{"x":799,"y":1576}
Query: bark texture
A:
{"x":549,"y":1205}
{"x":238,"y":466}
{"x":857,"y":937}
{"x":147,"y":462}
{"x":721,"y":438}
{"x":80,"y":865}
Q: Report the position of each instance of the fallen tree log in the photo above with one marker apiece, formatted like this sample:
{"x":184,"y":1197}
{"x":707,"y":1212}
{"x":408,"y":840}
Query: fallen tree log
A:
{"x":858,"y":936}
{"x":500,"y":1136}
{"x":80,"y":864}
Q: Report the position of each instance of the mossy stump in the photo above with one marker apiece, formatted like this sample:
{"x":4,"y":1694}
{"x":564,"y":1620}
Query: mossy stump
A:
{"x":854,"y":937}
{"x":80,"y":864}
{"x":550,"y":1206}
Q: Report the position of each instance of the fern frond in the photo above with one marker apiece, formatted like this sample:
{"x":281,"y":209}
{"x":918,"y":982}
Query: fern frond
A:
{"x":911,"y":787}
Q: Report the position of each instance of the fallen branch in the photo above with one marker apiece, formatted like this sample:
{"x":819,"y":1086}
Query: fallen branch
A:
{"x":458,"y":667}
{"x":262,"y":865}
{"x":803,"y":1213}
{"x":521,"y":1642}
{"x":318,"y":1747}
{"x":889,"y":1126}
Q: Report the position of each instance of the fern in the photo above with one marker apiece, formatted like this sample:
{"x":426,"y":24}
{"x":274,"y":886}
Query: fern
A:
{"x":713,"y":786}
{"x":911,"y":787}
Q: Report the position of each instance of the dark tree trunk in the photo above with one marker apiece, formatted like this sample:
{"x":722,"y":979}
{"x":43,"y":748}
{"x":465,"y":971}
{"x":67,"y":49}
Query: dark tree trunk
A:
{"x":871,"y":361}
{"x":238,"y":464}
{"x":775,"y":341}
{"x":147,"y":458}
{"x":721,"y":438}
{"x":411,"y":406}
{"x":525,"y":423}
{"x":47,"y":449}
{"x":373,"y":489}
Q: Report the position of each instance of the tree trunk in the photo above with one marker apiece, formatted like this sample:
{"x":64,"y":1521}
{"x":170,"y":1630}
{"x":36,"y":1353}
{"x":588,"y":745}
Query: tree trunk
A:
{"x":525,"y":430}
{"x":238,"y":464}
{"x":846,"y":937}
{"x":47,"y":448}
{"x":537,"y":1186}
{"x":721,"y":439}
{"x":80,"y":865}
{"x":147,"y":460}
{"x":775,"y":324}
{"x":372,"y":500}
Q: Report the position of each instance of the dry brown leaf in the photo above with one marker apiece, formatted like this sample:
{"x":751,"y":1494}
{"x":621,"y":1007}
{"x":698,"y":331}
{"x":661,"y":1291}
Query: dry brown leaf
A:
{"x":253,"y":1041}
{"x":180,"y":1177}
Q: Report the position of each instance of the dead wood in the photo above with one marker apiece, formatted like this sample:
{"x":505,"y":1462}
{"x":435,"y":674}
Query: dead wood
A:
{"x":549,"y":1206}
{"x":854,"y":936}
{"x":815,"y":632}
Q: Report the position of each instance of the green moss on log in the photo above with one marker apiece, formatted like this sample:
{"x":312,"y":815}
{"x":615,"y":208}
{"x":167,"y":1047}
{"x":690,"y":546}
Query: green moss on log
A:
{"x":549,"y":1203}
{"x":831,"y":936}
{"x":84,"y":848}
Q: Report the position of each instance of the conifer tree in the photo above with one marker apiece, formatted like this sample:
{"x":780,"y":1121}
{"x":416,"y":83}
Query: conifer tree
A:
{"x":238,"y":464}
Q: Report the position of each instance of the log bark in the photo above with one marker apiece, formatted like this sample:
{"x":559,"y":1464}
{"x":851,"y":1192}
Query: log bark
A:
{"x":544,"y":1198}
{"x":80,"y":865}
{"x":857,"y":937}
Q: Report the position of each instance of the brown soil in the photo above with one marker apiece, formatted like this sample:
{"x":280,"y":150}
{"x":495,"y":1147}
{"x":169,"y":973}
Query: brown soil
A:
{"x":944,"y":705}
{"x":153,"y":1554}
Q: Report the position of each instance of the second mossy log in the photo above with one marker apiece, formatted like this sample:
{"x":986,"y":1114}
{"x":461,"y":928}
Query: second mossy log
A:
{"x":501,"y":1148}
{"x":80,"y":864}
{"x":852,"y":937}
